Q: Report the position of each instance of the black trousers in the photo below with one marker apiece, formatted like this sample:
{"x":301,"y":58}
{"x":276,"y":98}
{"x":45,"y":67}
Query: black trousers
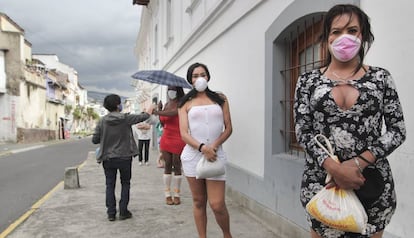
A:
{"x":143,"y":144}
{"x":111,"y":168}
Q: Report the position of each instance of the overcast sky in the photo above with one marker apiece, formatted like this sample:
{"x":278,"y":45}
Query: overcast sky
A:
{"x":95,"y":37}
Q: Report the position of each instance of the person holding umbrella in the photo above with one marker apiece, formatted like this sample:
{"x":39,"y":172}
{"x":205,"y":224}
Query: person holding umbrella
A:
{"x":171,"y":144}
{"x":205,"y":124}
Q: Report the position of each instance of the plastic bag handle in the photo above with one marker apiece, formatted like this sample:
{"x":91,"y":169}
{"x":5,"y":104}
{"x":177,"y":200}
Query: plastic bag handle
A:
{"x":328,"y":150}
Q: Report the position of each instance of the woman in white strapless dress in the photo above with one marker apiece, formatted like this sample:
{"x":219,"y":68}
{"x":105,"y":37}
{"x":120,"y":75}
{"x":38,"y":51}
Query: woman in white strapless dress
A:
{"x":205,"y":124}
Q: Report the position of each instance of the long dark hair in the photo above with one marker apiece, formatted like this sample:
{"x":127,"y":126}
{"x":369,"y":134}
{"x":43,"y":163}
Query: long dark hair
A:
{"x":214,"y":96}
{"x":352,"y":10}
{"x":180,"y":92}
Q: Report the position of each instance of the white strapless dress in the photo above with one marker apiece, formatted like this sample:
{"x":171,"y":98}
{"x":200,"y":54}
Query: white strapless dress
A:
{"x":205,"y":125}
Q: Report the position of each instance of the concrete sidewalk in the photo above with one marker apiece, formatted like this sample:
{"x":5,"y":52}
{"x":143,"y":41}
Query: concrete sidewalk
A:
{"x":82,"y":212}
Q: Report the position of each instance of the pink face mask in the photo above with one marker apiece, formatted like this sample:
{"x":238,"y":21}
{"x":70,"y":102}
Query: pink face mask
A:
{"x":345,"y":47}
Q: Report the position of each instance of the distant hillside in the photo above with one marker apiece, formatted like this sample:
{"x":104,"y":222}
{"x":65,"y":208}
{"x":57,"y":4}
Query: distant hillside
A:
{"x":98,"y":97}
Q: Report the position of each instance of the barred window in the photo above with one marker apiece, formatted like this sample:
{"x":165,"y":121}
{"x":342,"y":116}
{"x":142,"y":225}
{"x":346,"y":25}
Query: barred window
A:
{"x":303,"y":52}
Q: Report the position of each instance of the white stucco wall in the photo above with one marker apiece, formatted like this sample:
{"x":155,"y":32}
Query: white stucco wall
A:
{"x":9,"y":106}
{"x":242,"y":84}
{"x":6,"y":24}
{"x":393,"y":50}
{"x":32,"y":104}
{"x":2,"y":72}
{"x":217,"y":43}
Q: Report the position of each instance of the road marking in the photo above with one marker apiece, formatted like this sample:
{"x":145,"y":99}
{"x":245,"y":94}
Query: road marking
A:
{"x":26,"y":149}
{"x":34,"y":207}
{"x":10,"y":152}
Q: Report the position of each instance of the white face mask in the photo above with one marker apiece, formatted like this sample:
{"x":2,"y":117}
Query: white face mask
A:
{"x":200,"y":84}
{"x":172,"y":94}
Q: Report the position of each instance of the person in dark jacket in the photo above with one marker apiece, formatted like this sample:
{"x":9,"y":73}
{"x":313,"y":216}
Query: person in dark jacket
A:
{"x":116,"y":150}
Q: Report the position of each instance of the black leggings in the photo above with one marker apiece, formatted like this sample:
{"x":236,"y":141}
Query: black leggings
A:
{"x":145,"y":144}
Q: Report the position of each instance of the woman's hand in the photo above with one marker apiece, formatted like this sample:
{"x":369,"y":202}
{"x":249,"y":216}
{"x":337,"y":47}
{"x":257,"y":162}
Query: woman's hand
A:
{"x":347,"y":176}
{"x":209,"y":152}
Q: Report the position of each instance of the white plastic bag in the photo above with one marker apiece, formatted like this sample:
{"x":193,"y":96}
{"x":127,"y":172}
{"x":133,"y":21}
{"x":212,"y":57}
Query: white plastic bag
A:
{"x":335,"y":207}
{"x":339,"y":209}
{"x":207,"y":169}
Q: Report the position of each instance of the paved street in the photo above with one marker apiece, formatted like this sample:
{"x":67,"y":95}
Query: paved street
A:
{"x":81,"y":212}
{"x":29,"y":171}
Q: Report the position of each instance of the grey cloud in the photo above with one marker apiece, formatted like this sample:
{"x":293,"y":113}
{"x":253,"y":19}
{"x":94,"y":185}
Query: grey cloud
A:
{"x":96,"y":37}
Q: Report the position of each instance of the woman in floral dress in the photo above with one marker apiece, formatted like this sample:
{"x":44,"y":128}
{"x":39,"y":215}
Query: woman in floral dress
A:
{"x":348,"y":102}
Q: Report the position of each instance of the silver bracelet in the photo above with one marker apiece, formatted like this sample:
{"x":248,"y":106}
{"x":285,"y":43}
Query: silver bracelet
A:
{"x":358,"y":164}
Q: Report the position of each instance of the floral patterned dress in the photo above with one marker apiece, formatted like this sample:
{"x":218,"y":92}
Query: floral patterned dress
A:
{"x":351,"y":132}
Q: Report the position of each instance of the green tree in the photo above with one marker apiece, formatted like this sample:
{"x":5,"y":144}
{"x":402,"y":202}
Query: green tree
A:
{"x":68,"y":109}
{"x":77,"y":113}
{"x":92,"y":114}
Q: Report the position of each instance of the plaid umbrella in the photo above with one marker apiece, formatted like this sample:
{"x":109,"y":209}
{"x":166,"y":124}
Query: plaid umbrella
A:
{"x":161,"y":77}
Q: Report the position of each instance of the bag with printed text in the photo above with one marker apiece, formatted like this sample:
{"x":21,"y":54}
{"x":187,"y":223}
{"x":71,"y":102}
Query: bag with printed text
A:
{"x":335,"y":207}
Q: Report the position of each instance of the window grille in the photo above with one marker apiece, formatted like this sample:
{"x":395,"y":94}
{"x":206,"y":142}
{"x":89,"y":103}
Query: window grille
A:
{"x":303,"y":52}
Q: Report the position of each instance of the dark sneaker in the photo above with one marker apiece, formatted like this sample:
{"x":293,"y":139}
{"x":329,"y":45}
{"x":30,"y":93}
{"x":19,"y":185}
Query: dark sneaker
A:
{"x":111,"y":217}
{"x":127,"y":215}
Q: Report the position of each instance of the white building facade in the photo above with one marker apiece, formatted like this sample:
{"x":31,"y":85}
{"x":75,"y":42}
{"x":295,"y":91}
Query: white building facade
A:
{"x":255,"y":49}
